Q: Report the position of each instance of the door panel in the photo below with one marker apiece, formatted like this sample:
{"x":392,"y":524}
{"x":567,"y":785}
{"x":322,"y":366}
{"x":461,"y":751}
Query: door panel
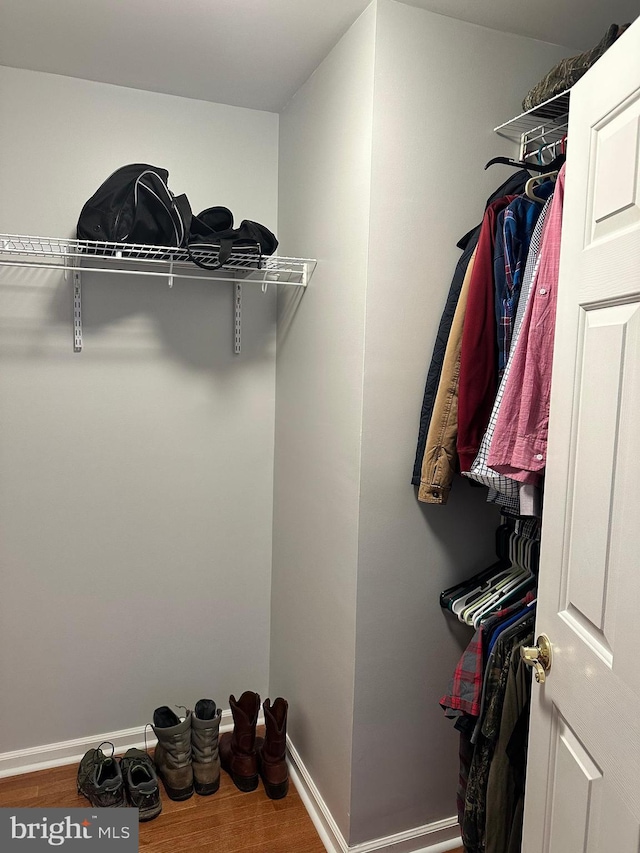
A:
{"x":577,"y":782}
{"x":616,"y":141}
{"x":583,"y":779}
{"x":604,"y":382}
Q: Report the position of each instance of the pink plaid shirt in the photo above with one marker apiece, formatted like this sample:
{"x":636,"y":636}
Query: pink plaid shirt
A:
{"x":519,"y":445}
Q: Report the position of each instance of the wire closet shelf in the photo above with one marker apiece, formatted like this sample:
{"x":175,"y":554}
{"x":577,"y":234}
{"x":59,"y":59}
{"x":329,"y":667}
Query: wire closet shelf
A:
{"x":245,"y":264}
{"x":542,"y":127}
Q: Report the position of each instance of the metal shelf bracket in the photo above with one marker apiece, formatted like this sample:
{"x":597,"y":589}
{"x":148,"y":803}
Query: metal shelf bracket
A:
{"x":77,"y":311}
{"x":237,"y":310}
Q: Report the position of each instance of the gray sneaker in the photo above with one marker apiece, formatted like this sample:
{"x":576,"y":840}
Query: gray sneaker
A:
{"x":100,"y":779}
{"x":141,"y":783}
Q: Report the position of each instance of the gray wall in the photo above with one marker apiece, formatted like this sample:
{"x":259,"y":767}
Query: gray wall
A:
{"x":381,"y":172}
{"x":135,"y":477}
{"x":325,"y":167}
{"x":439,"y":91}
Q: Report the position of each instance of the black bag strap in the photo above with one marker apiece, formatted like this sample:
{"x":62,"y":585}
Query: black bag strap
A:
{"x":225,"y":245}
{"x":183,"y":210}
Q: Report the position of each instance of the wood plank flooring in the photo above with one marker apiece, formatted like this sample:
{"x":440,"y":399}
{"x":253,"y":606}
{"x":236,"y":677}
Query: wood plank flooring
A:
{"x":226,"y":822}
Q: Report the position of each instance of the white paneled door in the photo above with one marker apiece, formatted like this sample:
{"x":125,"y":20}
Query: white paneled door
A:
{"x":583,"y":782}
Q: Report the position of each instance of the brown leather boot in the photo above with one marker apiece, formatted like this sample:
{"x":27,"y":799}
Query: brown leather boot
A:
{"x":238,"y":748}
{"x":272,"y":763}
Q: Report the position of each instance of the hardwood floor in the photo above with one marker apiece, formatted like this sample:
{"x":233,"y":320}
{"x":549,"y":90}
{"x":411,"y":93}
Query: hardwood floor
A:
{"x":226,"y":822}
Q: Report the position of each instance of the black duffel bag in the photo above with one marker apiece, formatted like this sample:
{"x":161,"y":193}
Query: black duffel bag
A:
{"x":135,"y":205}
{"x":212,"y":230}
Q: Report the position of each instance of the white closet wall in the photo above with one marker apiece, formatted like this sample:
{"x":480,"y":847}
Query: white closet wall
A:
{"x":136,"y":477}
{"x":438,"y":86}
{"x":325,"y":183}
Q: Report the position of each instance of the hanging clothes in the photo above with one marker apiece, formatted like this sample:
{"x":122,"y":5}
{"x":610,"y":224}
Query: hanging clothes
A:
{"x":475,"y":814}
{"x":509,"y":492}
{"x":512,"y":186}
{"x":519,"y":445}
{"x":487,"y":696}
{"x":505,"y":785}
{"x":518,"y":224}
{"x":440,"y":456}
{"x":478,"y":381}
{"x":463,"y":699}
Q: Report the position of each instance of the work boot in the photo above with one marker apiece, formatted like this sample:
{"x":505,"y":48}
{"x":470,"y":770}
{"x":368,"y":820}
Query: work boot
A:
{"x":271,"y":751}
{"x":238,"y":748}
{"x":172,"y":755}
{"x":205,"y":724}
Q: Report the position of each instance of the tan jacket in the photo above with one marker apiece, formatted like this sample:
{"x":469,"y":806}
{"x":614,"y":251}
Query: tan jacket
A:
{"x":439,"y":460}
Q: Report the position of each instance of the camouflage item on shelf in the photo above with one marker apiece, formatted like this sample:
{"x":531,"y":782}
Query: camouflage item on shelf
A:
{"x":568,"y":71}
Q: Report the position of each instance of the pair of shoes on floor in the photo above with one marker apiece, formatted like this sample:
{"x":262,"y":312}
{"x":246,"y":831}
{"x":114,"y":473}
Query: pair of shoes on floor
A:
{"x":109,"y":782}
{"x":186,"y":756}
{"x":245,"y":757}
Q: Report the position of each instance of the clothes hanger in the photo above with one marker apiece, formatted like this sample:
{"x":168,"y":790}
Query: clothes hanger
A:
{"x":481,"y":612}
{"x":531,"y":183}
{"x":517,"y":164}
{"x":449,"y":596}
{"x":516,"y":594}
{"x":465,"y":606}
{"x":552,"y":169}
{"x":523,"y":546}
{"x":480,"y":581}
{"x":480,"y":591}
{"x":498,"y":589}
{"x":474,"y":596}
{"x":520,"y":550}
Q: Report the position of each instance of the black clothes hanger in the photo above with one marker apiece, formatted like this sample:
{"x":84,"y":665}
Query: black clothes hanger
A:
{"x":530,"y":167}
{"x":448,"y":596}
{"x":517,"y":164}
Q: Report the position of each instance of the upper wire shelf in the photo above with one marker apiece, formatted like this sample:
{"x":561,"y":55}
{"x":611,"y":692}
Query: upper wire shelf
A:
{"x":245,"y":264}
{"x":544,"y":126}
{"x":553,"y":111}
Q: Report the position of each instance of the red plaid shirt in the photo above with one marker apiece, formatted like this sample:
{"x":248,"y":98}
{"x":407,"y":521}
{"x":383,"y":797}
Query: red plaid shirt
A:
{"x":465,"y":688}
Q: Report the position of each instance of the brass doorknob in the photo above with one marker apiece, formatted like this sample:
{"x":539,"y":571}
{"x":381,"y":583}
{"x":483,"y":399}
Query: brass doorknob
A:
{"x":538,"y":657}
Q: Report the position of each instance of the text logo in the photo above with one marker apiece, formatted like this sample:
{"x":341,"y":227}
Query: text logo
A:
{"x":28,"y":830}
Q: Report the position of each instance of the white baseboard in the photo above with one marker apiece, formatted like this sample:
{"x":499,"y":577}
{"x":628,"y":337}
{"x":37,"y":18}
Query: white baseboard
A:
{"x":71,"y":751}
{"x":328,"y":829}
{"x":438,"y":837}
